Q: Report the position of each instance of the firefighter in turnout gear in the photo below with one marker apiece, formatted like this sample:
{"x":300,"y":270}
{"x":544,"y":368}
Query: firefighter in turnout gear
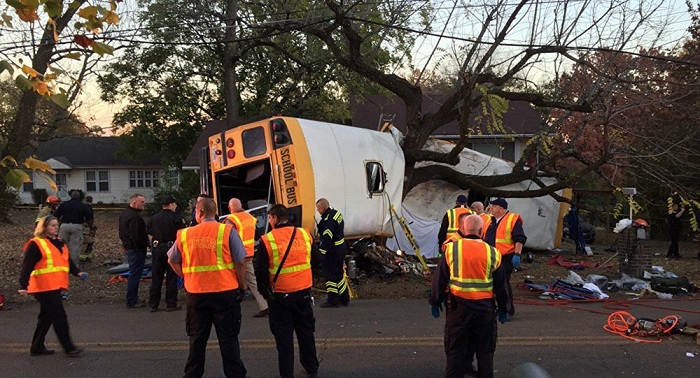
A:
{"x":468,"y":277}
{"x":333,"y":249}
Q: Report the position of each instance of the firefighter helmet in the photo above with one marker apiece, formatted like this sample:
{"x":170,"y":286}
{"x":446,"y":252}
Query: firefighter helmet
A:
{"x":53,"y":200}
{"x":639,"y":222}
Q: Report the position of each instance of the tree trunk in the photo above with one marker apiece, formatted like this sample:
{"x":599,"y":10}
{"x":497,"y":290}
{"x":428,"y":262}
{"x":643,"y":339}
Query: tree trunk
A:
{"x":229,"y":61}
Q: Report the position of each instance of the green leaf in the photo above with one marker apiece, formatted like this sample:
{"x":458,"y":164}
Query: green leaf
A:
{"x":5,"y":65}
{"x":15,"y":177}
{"x":73,"y":55}
{"x":75,"y":5}
{"x":60,"y":99}
{"x":15,"y":4}
{"x":54,"y":8}
{"x":24,"y":83}
{"x":8,"y":20}
{"x":101,"y":49}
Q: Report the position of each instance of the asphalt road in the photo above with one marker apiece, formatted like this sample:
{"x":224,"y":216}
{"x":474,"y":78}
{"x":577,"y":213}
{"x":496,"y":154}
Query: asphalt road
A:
{"x":370,"y":338}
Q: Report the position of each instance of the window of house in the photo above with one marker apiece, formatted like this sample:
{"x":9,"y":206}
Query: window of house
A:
{"x":375,"y":177}
{"x":61,"y":180}
{"x":174,"y":177}
{"x":97,"y":181}
{"x":29,"y":185}
{"x":144,"y":179}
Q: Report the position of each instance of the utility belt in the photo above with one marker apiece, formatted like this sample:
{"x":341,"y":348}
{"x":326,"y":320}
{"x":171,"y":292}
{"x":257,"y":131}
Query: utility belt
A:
{"x":292,"y":296}
{"x":162,"y":244}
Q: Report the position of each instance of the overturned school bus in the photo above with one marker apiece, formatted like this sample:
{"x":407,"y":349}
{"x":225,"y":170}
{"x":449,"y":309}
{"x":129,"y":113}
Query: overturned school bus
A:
{"x":294,"y":162}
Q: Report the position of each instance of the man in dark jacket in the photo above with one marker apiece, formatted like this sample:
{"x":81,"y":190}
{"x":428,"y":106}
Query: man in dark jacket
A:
{"x":132,"y":233}
{"x":72,"y":215}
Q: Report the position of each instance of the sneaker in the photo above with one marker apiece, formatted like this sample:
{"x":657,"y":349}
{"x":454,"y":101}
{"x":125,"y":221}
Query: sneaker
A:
{"x":262,"y":313}
{"x":329,"y":305}
{"x":171,"y":309}
{"x":75,"y":352}
{"x":136,"y":305}
{"x":45,"y":352}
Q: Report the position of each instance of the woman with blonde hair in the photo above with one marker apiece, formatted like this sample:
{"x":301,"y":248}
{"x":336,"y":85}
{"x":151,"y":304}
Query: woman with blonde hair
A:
{"x":44,"y":274}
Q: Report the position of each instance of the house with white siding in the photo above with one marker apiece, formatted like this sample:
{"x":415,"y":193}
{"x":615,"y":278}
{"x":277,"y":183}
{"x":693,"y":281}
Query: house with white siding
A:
{"x":97,"y":166}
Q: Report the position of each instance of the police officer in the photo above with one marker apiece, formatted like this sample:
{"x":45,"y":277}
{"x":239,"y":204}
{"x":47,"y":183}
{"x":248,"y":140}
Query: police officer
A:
{"x":468,"y":276}
{"x":283,"y":271}
{"x":333,"y":249}
{"x":163,"y":228}
{"x":211,"y":258}
{"x":244,"y":224}
{"x":449,"y":224}
{"x":505,"y":232}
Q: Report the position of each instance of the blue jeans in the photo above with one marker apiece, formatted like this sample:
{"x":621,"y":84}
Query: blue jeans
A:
{"x":136,"y":260}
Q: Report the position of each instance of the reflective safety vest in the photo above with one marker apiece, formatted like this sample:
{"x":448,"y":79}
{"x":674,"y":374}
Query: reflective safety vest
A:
{"x":453,"y":219}
{"x":207,"y":265}
{"x":452,"y":238}
{"x":471,"y":263}
{"x":504,"y":233}
{"x":487,"y":222}
{"x":244,"y":224}
{"x":51,"y":272}
{"x":295,"y":274}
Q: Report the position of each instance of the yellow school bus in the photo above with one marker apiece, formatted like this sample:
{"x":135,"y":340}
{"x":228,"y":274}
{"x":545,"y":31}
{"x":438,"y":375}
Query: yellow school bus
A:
{"x":294,"y":162}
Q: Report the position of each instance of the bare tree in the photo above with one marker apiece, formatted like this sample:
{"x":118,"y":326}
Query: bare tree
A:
{"x":501,"y":48}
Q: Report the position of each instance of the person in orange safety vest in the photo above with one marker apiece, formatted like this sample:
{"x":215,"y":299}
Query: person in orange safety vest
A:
{"x":211,"y":258}
{"x":506,"y":233}
{"x":450,"y":223}
{"x":283,"y":270}
{"x":244,"y":224}
{"x":468,"y":278}
{"x":44,"y":274}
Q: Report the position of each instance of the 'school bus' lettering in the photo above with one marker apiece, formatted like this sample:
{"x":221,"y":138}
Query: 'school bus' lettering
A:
{"x":288,"y":175}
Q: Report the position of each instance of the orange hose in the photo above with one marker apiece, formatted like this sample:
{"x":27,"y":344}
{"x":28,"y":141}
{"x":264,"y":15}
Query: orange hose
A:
{"x":623,"y":324}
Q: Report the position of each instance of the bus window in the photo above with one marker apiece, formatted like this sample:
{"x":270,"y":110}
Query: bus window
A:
{"x":254,"y":143}
{"x":375,"y":177}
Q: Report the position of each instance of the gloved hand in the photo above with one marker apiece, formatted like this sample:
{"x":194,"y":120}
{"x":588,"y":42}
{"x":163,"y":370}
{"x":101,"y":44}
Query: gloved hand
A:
{"x":516,"y":261}
{"x":83,"y":275}
{"x":435,"y":310}
{"x":502,"y":317}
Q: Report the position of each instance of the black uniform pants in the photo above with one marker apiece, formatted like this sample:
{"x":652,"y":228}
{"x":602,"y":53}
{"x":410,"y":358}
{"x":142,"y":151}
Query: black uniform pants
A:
{"x":507,"y":262}
{"x":51,"y":312}
{"x":333,"y":264}
{"x":290,"y":313}
{"x":675,"y":234}
{"x":160,"y":268}
{"x":222,"y":310}
{"x":464,"y":327}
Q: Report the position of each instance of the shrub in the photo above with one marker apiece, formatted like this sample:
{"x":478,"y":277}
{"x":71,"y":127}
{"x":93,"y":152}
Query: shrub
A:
{"x":39,"y":196}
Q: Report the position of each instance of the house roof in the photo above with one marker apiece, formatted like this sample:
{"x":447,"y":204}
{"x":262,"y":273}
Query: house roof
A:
{"x":90,"y":151}
{"x":520,"y":119}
